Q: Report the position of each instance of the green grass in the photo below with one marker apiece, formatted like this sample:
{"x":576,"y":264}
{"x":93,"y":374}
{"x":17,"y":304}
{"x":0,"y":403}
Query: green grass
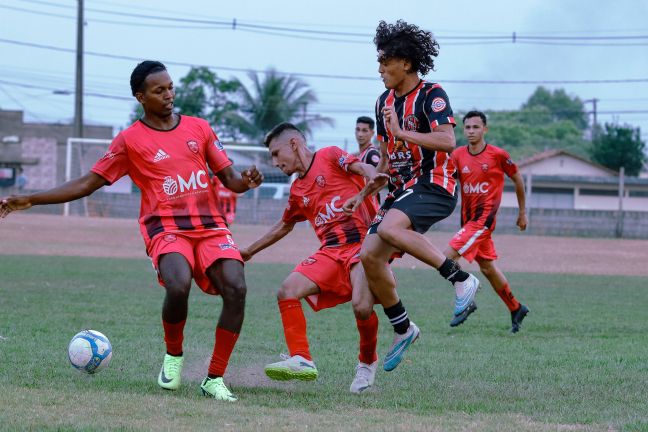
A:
{"x":580,"y":362}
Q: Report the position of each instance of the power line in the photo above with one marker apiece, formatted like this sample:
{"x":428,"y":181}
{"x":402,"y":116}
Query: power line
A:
{"x":332,"y":76}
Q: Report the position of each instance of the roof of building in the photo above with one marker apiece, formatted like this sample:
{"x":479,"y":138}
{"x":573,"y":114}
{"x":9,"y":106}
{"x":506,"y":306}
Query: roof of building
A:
{"x":548,"y":154}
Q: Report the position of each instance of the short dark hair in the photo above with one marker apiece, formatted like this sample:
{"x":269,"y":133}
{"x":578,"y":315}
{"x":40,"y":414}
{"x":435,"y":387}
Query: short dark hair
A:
{"x":475,"y":113}
{"x":408,"y":42}
{"x":278,"y":130}
{"x":366,"y":120}
{"x":143,"y":70}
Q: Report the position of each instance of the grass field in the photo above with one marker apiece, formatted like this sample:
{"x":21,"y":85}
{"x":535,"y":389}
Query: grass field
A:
{"x":580,"y":362}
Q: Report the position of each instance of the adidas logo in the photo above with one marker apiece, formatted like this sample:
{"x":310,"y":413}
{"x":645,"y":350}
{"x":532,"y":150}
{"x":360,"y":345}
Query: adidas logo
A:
{"x":465,"y":169}
{"x":160,"y":155}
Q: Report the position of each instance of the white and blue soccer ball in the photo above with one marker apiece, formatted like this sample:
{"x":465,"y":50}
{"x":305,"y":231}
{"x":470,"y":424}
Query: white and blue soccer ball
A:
{"x":89,"y":351}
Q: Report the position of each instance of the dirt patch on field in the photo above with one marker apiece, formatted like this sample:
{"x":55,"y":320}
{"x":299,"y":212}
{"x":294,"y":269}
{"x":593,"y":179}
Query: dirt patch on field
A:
{"x":34,"y":234}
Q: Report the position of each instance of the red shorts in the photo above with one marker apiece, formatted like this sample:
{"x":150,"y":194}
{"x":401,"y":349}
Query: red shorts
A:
{"x":473,"y":241}
{"x":330,"y":269}
{"x":200,"y":248}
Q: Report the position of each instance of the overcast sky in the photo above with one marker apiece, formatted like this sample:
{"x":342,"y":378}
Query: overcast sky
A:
{"x":29,"y":75}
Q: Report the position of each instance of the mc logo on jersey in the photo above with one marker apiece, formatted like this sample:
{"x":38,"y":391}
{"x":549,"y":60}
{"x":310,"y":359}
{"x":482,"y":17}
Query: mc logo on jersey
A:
{"x":197,"y":180}
{"x":476,"y":188}
{"x":329,"y":212}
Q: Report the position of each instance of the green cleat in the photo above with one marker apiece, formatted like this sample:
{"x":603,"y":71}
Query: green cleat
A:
{"x":215,"y":388}
{"x":169,"y":377}
{"x":291,"y":368}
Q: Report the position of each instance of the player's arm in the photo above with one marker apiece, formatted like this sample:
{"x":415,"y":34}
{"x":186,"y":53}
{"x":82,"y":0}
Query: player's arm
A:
{"x":441,"y":138}
{"x":383,"y":163}
{"x":276,"y":233}
{"x":69,"y":191}
{"x":240,"y":182}
{"x":518,"y":181}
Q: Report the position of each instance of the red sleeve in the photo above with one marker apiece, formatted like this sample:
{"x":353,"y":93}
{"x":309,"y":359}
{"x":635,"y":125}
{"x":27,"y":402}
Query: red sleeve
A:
{"x":508,"y":166}
{"x":113,"y":165}
{"x":293,"y":212}
{"x":216,"y":157}
{"x":340,"y":158}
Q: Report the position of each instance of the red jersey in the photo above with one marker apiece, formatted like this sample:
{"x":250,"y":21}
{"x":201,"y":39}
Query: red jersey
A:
{"x":482,"y":182}
{"x":170,"y":168}
{"x":226,"y":200}
{"x":319,"y":195}
{"x":421,"y":110}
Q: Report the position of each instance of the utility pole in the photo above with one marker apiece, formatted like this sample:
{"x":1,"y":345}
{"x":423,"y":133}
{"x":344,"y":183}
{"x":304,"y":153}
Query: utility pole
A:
{"x":78,"y":92}
{"x":594,"y":101}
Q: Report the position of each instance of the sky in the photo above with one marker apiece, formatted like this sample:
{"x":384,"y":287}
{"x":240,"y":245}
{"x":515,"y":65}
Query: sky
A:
{"x":479,"y":66}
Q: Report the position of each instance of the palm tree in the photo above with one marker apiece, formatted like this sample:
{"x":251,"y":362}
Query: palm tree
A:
{"x":274,"y":99}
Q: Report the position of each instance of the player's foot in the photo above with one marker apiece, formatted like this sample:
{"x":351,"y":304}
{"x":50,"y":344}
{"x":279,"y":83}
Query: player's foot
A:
{"x":517,"y":316}
{"x":215,"y":388}
{"x":465,"y":299}
{"x":399,"y":346}
{"x":291,"y":368}
{"x":364,"y":378}
{"x":169,"y":377}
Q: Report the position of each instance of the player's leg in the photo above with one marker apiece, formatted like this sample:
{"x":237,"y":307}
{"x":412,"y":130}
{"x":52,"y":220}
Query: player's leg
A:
{"x":460,"y":317}
{"x":367,"y":323}
{"x":375,"y":256}
{"x":501,"y":286}
{"x":299,"y":365}
{"x":175,"y":275}
{"x":229,"y":279}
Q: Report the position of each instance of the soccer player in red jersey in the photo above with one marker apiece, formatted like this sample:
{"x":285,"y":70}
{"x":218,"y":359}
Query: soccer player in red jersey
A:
{"x":167,"y":155}
{"x":481,"y":169}
{"x":333,"y":275}
{"x":415,"y":129}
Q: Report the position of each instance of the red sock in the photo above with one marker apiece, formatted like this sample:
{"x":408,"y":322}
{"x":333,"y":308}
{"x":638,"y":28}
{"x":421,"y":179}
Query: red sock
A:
{"x":368,"y":330}
{"x":173,"y":336}
{"x":225,"y":341}
{"x":294,"y":324}
{"x":508,"y":298}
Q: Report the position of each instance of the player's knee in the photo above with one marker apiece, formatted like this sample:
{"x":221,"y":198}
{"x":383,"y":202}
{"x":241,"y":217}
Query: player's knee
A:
{"x":369,"y":259}
{"x":234,"y":292}
{"x":387,"y":234}
{"x":486,"y":268}
{"x":362,"y":309}
{"x":287,"y":290}
{"x":177,"y":289}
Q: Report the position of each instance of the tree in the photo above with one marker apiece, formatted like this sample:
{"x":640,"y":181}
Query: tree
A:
{"x":202,"y":94}
{"x":620,"y":146}
{"x":559,"y":105}
{"x":274,"y":99}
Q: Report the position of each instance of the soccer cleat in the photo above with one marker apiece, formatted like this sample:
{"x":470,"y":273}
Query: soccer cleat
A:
{"x":291,"y":368}
{"x":399,"y":346}
{"x":365,"y":376}
{"x":215,"y":388}
{"x":466,"y":301}
{"x":459,"y":319}
{"x":169,"y":377}
{"x":517,"y":316}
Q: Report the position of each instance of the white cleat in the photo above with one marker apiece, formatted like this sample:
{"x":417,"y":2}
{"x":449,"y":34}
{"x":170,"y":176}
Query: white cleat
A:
{"x":364,"y":378}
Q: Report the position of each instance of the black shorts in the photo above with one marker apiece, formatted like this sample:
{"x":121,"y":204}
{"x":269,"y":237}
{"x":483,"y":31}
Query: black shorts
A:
{"x":424,"y":204}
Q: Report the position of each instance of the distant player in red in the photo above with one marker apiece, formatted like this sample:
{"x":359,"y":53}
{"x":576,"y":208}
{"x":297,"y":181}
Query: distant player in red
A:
{"x":167,"y":156}
{"x":333,"y":275}
{"x":481,"y":169}
{"x":226,"y":200}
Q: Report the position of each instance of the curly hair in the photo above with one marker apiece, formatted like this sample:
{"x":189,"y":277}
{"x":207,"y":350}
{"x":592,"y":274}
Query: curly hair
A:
{"x":408,"y":42}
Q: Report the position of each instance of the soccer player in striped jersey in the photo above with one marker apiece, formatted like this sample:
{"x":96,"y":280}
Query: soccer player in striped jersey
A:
{"x":333,"y":275}
{"x":415,"y":129}
{"x":367,"y":153}
{"x":167,"y":155}
{"x":481,"y":169}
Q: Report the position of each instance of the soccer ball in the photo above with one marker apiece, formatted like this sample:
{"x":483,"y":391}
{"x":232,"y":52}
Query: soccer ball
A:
{"x":89,"y":351}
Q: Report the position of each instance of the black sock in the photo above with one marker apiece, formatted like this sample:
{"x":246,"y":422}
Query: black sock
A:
{"x":398,"y":317}
{"x":175,"y":355}
{"x":212,"y":376}
{"x":451,"y":271}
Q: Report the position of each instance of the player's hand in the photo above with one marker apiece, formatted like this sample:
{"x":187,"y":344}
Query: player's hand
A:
{"x":379,"y":181}
{"x":13,"y":203}
{"x":252,"y":177}
{"x":352,"y":204}
{"x":247,"y":256}
{"x":391,"y":121}
{"x":522,"y":221}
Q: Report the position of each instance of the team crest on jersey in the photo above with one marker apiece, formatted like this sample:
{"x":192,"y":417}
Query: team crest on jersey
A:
{"x":485,"y":167}
{"x":306,"y":201}
{"x":170,"y":238}
{"x":320,"y":180}
{"x":411,"y":123}
{"x":193,"y":146}
{"x":308,"y":261}
{"x":438,"y":104}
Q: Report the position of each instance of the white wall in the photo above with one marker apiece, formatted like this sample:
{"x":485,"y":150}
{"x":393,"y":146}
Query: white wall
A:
{"x":564,"y":165}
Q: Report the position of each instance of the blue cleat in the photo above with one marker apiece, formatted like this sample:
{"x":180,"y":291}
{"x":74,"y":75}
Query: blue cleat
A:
{"x":399,"y":346}
{"x":465,"y":305}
